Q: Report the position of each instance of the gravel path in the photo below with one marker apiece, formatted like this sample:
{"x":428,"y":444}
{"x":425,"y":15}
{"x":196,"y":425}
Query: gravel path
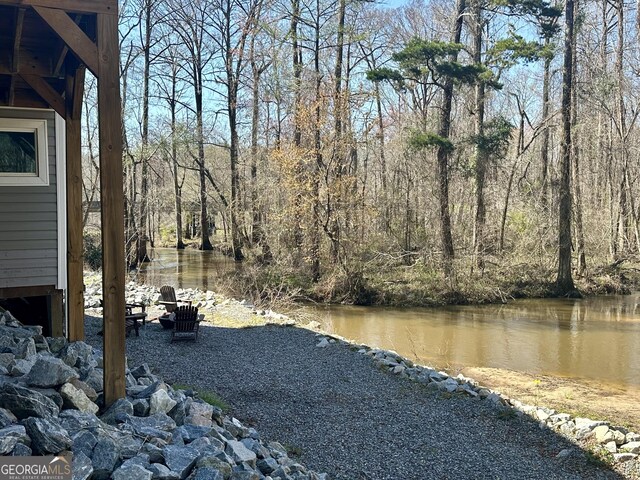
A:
{"x":341,"y":415}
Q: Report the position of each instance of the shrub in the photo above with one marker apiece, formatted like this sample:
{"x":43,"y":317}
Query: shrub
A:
{"x":92,"y":252}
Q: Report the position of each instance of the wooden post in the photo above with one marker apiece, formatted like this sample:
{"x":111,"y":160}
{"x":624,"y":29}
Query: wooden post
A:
{"x":56,"y":313}
{"x":112,"y":203}
{"x":75,"y":260}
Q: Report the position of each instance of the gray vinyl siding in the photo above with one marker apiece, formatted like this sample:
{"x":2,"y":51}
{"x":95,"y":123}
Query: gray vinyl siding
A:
{"x":28,"y":221}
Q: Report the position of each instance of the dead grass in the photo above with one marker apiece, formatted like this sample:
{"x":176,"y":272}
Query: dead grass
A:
{"x":579,"y":398}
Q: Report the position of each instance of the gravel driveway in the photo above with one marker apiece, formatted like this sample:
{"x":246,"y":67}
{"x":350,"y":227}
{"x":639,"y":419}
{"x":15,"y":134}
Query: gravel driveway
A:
{"x":340,"y":414}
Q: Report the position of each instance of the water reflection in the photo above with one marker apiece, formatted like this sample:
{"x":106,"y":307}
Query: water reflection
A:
{"x":595,"y":338}
{"x":184,"y":268}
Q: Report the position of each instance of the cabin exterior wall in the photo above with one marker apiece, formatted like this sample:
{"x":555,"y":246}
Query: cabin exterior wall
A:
{"x":30,"y":253}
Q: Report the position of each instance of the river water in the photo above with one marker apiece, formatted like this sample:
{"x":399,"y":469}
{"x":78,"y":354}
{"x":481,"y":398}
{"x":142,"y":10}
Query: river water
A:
{"x":596,"y":338}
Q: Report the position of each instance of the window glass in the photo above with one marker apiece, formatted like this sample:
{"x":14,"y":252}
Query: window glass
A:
{"x":18,"y":152}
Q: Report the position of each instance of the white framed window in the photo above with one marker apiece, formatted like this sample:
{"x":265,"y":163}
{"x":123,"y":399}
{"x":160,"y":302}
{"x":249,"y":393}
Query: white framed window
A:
{"x":24,"y":158}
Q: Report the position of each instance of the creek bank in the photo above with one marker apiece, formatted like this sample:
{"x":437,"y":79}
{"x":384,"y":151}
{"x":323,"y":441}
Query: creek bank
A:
{"x":51,"y":403}
{"x":615,"y":444}
{"x":423,"y":285}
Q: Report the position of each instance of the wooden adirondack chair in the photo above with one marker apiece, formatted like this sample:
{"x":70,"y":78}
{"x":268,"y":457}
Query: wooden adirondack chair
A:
{"x":186,"y":323}
{"x":169,"y":299}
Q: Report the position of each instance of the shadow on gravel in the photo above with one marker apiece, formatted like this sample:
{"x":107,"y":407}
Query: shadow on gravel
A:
{"x":340,"y":414}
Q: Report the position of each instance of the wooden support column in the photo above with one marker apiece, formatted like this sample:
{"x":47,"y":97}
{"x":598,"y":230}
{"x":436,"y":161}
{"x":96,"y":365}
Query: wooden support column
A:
{"x":112,"y":203}
{"x":75,"y":260}
{"x":56,"y":313}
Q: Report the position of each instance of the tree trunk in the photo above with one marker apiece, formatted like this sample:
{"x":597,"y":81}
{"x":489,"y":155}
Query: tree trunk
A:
{"x":141,"y":251}
{"x":296,"y":50}
{"x":564,"y":281}
{"x":236,"y":241}
{"x":480,"y":153}
{"x":544,"y":144}
{"x":205,"y":243}
{"x":177,"y":190}
{"x":338,"y":146}
{"x":315,"y":233}
{"x":255,"y":118}
{"x":442,"y":154}
{"x":577,"y":208}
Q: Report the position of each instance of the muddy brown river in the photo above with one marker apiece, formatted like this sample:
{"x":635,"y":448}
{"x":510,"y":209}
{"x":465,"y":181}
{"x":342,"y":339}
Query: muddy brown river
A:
{"x":594,"y":339}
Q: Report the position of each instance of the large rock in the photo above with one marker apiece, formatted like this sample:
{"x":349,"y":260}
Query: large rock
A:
{"x":56,"y":344}
{"x":105,"y":458}
{"x":190,"y":433}
{"x":150,"y":390}
{"x":240,"y":453}
{"x":19,"y":332}
{"x":77,"y":354}
{"x":52,"y":394}
{"x":180,"y":459}
{"x":81,"y":466}
{"x":84,"y":442}
{"x":50,"y":372}
{"x":7,"y":418}
{"x":130,"y":446}
{"x":587,"y":423}
{"x":75,"y":421}
{"x":179,"y":412}
{"x":119,"y":412}
{"x":140,"y":407}
{"x":6,"y":359}
{"x":154,"y":452}
{"x":631,"y":447}
{"x":207,"y":473}
{"x":76,"y":398}
{"x":141,"y":371}
{"x":12,"y":435}
{"x":24,"y":402}
{"x":26,"y":348}
{"x":211,"y":462}
{"x":624,"y":457}
{"x":132,"y":472}
{"x":21,"y":450}
{"x":21,"y":367}
{"x":86,"y":388}
{"x":161,"y":402}
{"x":47,"y":436}
{"x":41,"y":344}
{"x":160,"y":472}
{"x":159,"y":421}
{"x":267,"y":465}
{"x":95,"y":379}
{"x":201,"y":409}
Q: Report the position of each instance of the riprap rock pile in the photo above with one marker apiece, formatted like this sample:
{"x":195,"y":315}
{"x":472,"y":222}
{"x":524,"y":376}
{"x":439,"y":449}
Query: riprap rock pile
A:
{"x":51,"y":403}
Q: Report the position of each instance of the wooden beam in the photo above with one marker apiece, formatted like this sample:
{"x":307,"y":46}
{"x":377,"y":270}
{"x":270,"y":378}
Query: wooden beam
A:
{"x":17,"y":38}
{"x":17,"y":292}
{"x":25,"y":102}
{"x":47,"y":92}
{"x":15,"y":60}
{"x":112,"y":202}
{"x":11,"y":94}
{"x":63,"y":52}
{"x":77,"y":6}
{"x":38,"y":68}
{"x":75,"y":257}
{"x":72,"y":35}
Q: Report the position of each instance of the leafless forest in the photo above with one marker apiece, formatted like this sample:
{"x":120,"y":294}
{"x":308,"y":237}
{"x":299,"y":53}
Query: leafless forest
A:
{"x":359,"y":149}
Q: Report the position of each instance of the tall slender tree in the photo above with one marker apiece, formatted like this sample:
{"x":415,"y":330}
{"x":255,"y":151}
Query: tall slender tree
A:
{"x":564,"y":280}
